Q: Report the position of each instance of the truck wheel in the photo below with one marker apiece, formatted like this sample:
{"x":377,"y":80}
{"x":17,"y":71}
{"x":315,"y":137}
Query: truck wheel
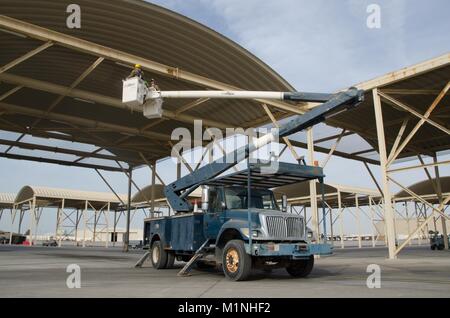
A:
{"x":158,"y":255}
{"x":301,"y":268}
{"x":237,"y":264}
{"x":170,"y":259}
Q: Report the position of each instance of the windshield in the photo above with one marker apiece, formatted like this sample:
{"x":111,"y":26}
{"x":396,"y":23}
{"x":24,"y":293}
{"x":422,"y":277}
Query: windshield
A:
{"x":236,"y":198}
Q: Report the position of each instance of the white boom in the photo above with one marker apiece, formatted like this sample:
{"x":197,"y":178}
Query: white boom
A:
{"x":136,"y":93}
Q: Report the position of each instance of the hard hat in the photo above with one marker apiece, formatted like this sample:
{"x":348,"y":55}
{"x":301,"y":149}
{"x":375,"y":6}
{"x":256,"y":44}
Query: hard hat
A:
{"x":137,"y":66}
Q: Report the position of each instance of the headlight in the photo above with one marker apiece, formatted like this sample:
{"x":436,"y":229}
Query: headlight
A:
{"x":255,"y":233}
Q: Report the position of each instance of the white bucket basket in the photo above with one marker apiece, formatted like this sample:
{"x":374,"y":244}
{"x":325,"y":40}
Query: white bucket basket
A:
{"x":153,"y":108}
{"x":133,"y":92}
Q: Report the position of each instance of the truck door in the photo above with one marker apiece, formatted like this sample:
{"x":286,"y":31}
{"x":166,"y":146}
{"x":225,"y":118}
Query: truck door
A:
{"x":214,"y":218}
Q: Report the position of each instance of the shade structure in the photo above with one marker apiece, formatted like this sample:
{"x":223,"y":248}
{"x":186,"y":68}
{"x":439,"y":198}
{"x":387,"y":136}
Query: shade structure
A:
{"x":62,"y":86}
{"x":76,"y":199}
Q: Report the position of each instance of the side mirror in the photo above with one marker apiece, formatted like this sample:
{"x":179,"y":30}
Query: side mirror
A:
{"x":223,"y":205}
{"x":284,"y":203}
{"x":205,"y":198}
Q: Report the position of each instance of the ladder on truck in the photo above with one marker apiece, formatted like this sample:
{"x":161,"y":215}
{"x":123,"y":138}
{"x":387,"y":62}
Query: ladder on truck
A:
{"x":188,"y":267}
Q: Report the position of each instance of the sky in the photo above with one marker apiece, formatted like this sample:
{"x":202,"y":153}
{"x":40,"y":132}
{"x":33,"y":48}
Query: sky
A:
{"x":320,"y":45}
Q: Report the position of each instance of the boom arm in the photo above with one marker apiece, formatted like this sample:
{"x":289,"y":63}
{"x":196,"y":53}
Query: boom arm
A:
{"x":177,"y":192}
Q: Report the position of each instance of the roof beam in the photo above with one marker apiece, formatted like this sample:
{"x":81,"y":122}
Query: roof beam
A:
{"x":337,"y":153}
{"x":74,"y":43}
{"x":399,"y":138}
{"x":362,"y":152}
{"x":406,"y":72}
{"x":369,"y":135}
{"x":285,"y":139}
{"x":88,"y":71}
{"x":31,"y":146}
{"x":59,"y":162}
{"x":101,"y":99}
{"x":333,"y":137}
{"x":35,"y":112}
{"x":397,"y":103}
{"x":37,"y":132}
{"x":333,"y":149}
{"x":25,"y":57}
{"x":10,"y":92}
{"x":396,"y":91}
{"x":191,"y":105}
{"x":420,"y":123}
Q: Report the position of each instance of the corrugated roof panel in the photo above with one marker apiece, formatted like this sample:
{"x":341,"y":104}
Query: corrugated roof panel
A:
{"x":28,"y":192}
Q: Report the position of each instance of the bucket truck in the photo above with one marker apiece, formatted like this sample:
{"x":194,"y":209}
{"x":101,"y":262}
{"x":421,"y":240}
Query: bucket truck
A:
{"x":240,"y":225}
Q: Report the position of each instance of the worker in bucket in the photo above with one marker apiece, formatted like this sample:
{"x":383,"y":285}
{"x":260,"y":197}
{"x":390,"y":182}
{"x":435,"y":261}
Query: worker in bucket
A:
{"x":154,"y":85}
{"x":137,"y":71}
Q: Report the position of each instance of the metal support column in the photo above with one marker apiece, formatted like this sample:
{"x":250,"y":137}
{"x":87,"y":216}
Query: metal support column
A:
{"x":372,"y":217}
{"x":331,"y":226}
{"x":114,"y":236}
{"x":312,"y":186}
{"x":107,"y":224}
{"x":324,"y":213}
{"x":77,"y":222}
{"x":85,"y":221}
{"x":388,"y":211}
{"x":408,"y":225}
{"x":13,"y":217}
{"x":358,"y":214}
{"x":126,"y":242}
{"x":152,"y":198}
{"x":33,"y":226}
{"x":441,"y":199}
{"x":341,"y":219}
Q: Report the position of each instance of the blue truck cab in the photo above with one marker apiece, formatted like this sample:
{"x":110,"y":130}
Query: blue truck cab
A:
{"x":234,"y":235}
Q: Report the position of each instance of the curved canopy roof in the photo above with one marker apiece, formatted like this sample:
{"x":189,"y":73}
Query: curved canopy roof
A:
{"x":63,"y":85}
{"x":298,"y":194}
{"x":66,"y":84}
{"x":143,"y":197}
{"x":6,"y":200}
{"x":426,"y":190}
{"x":46,"y":197}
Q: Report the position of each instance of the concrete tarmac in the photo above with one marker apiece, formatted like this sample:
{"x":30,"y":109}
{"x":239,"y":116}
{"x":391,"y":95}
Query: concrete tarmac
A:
{"x":41,"y":272}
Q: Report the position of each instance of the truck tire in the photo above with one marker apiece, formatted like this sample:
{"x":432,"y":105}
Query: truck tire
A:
{"x":158,"y":255}
{"x":301,"y":268}
{"x":170,"y":259}
{"x":236,"y":263}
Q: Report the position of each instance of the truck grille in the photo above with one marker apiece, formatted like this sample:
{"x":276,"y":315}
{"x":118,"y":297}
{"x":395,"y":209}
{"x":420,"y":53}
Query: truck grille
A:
{"x":278,"y":226}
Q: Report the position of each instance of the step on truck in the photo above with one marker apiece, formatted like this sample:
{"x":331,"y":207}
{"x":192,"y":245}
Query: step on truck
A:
{"x":240,"y":225}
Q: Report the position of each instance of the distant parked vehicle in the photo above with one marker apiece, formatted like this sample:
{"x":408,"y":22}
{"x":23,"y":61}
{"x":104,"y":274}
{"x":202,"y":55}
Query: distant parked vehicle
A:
{"x":4,"y":240}
{"x":437,"y":240}
{"x":50,"y":242}
{"x":136,"y":245}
